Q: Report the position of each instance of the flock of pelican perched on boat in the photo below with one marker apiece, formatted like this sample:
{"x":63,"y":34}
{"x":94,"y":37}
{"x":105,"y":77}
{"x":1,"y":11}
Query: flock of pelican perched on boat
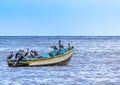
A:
{"x":59,"y":56}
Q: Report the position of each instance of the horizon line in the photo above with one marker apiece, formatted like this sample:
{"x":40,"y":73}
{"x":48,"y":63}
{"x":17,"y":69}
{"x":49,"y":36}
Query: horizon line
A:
{"x":60,"y":35}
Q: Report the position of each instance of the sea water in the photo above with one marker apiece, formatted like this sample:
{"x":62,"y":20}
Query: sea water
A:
{"x":96,"y":61}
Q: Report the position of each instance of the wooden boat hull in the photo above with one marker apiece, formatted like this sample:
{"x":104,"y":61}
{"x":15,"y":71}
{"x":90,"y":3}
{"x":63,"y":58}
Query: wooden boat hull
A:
{"x":57,"y":60}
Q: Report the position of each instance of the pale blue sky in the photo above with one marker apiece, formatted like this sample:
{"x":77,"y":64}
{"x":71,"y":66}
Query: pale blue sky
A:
{"x":60,"y":17}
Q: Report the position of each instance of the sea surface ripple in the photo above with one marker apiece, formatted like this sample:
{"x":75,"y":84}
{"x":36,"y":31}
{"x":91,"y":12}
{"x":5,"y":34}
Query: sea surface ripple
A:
{"x":96,"y":61}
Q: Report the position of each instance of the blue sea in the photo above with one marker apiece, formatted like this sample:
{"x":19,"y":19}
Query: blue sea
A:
{"x":96,"y":61}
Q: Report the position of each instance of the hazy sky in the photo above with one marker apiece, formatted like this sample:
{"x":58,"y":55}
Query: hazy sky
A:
{"x":60,"y":17}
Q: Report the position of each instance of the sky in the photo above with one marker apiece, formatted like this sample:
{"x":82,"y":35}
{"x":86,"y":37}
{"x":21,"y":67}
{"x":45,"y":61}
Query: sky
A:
{"x":60,"y":17}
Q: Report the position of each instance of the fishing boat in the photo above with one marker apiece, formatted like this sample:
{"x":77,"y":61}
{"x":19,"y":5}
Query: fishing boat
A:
{"x":62,"y":59}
